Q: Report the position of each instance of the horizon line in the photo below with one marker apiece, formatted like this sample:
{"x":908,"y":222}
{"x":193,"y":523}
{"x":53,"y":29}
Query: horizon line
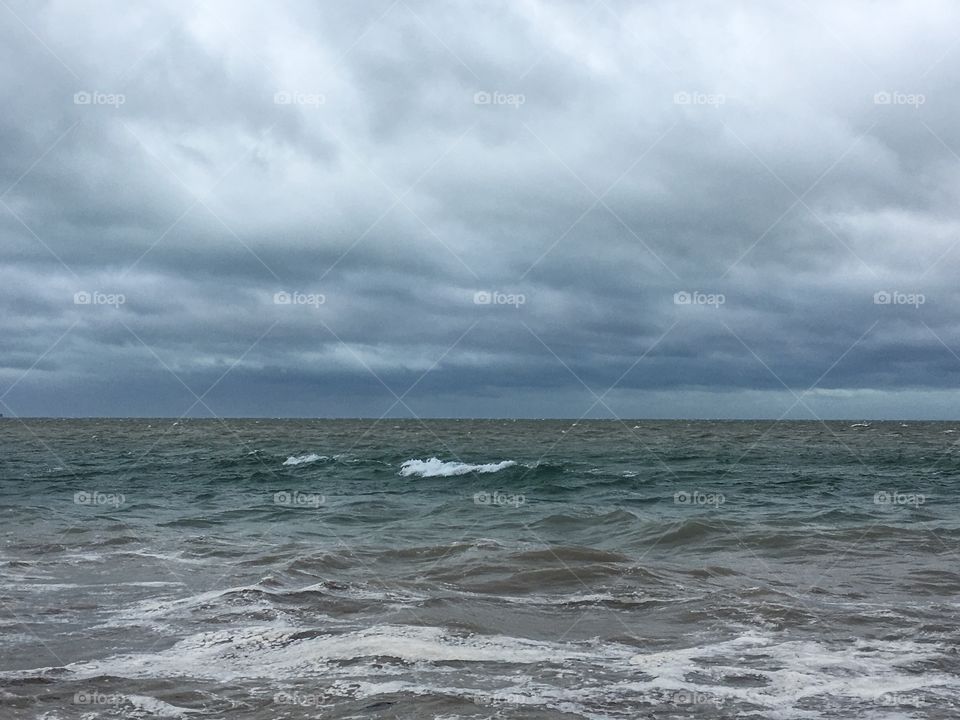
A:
{"x":472,"y":419}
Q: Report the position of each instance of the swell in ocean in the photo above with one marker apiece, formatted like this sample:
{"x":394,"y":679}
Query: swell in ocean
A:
{"x":477,"y":569}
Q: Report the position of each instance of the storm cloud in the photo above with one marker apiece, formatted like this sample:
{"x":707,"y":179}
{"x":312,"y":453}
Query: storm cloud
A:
{"x":601,"y":209}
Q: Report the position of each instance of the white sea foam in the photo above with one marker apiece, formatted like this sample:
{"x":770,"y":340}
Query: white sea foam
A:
{"x":157,"y":708}
{"x":301,"y":459}
{"x":790,"y":678}
{"x":168,"y":557}
{"x":275,"y":652}
{"x":52,"y":587}
{"x":438,"y":468}
{"x":257,"y":599}
{"x":793,"y":672}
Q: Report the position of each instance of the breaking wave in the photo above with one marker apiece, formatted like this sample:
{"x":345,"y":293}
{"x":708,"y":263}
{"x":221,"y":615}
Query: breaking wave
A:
{"x":301,"y":459}
{"x":437,"y":468}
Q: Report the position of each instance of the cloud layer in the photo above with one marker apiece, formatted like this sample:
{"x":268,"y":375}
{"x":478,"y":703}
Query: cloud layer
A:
{"x":498,"y":209}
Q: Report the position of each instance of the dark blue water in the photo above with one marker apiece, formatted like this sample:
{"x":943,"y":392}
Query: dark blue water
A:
{"x":478,"y":569}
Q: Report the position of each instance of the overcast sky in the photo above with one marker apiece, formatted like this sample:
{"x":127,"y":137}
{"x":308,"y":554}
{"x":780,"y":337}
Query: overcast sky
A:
{"x":488,"y":209}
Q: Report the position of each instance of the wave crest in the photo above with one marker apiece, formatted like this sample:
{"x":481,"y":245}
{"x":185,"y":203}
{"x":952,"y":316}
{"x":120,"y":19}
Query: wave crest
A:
{"x":438,"y":468}
{"x":300,"y":459}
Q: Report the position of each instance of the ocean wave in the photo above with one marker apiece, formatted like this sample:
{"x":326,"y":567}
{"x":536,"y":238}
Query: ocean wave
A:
{"x":787,"y":675}
{"x":438,"y":468}
{"x":750,"y":674}
{"x":301,"y":459}
{"x":267,"y":600}
{"x":152,"y":707}
{"x":276,"y":652}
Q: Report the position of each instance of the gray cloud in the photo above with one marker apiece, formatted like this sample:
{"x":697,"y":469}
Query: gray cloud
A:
{"x":398,"y":158}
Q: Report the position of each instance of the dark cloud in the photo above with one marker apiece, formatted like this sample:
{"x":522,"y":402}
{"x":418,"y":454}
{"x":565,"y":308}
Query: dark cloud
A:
{"x":791,"y":171}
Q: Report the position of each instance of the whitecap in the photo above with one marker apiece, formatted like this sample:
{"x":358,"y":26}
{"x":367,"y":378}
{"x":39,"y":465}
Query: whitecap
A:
{"x":438,"y":468}
{"x":794,"y":671}
{"x":157,"y":708}
{"x":277,"y":652}
{"x":301,"y":459}
{"x":792,"y":676}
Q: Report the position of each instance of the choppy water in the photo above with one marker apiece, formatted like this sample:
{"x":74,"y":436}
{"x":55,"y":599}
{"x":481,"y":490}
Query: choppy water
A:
{"x":478,"y":569}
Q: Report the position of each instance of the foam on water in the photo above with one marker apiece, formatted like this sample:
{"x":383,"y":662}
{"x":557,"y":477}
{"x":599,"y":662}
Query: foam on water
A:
{"x":301,"y":459}
{"x":438,"y":468}
{"x":276,"y":652}
{"x":787,"y":678}
{"x":603,"y":597}
{"x":789,"y":673}
{"x":152,"y":707}
{"x":255,"y":598}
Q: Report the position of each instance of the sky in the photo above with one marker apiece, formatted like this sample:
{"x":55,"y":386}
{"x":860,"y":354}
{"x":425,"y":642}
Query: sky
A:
{"x":502,"y":209}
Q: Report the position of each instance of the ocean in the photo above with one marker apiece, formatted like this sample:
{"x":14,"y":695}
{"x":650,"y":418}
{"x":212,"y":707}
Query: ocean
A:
{"x":287,"y":569}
